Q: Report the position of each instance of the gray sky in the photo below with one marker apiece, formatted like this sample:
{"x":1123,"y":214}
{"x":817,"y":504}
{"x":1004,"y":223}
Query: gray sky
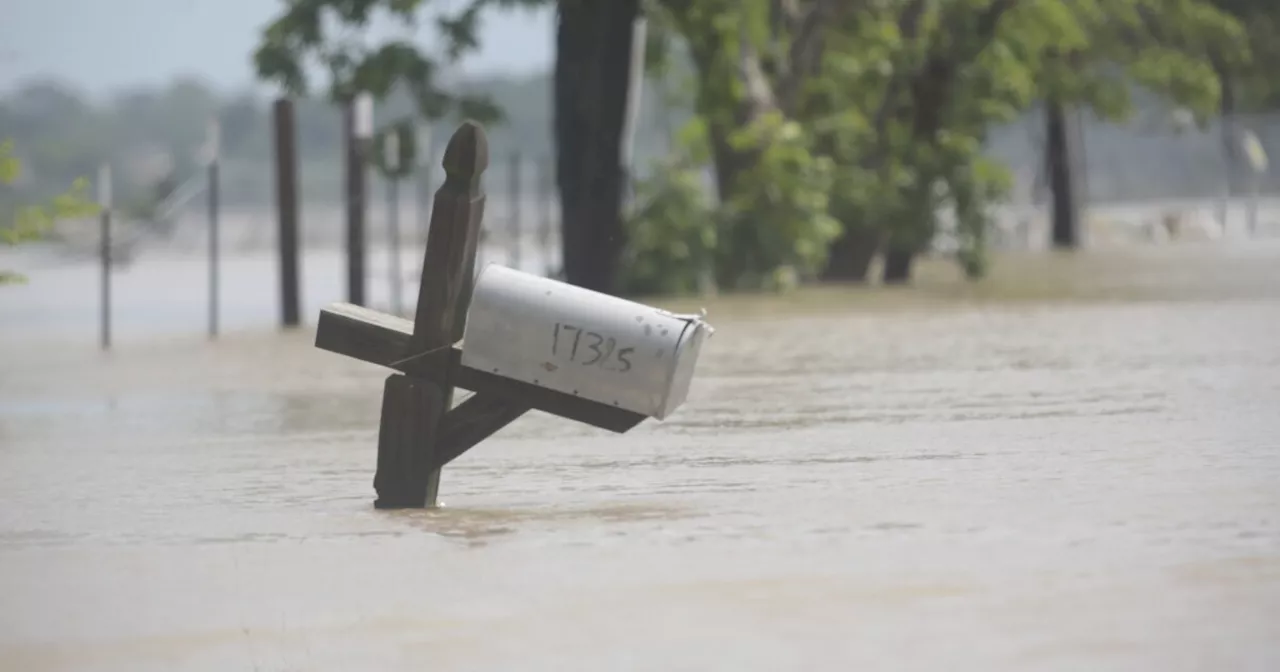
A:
{"x":101,"y":45}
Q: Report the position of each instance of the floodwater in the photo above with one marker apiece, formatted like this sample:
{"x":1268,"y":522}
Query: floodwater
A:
{"x":1072,"y":466}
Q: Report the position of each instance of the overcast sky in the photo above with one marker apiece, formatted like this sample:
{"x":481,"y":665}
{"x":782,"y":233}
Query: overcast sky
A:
{"x":102,"y":45}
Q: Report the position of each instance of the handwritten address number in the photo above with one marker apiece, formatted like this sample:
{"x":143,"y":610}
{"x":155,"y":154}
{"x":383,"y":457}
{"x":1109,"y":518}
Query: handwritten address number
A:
{"x":590,"y":349}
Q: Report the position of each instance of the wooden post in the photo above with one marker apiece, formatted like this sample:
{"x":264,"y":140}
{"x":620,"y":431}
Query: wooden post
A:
{"x":412,"y":409}
{"x":287,"y":211}
{"x":105,"y":333}
{"x":355,"y":200}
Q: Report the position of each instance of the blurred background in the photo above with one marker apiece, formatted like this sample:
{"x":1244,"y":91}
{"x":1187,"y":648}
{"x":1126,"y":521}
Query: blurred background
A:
{"x":995,"y":283}
{"x":701,"y":147}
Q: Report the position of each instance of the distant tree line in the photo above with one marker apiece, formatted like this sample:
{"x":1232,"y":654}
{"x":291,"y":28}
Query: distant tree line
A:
{"x":62,"y":134}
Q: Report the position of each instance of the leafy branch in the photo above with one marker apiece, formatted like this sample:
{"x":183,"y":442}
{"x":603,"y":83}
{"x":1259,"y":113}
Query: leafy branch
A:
{"x":25,"y":223}
{"x":302,"y":35}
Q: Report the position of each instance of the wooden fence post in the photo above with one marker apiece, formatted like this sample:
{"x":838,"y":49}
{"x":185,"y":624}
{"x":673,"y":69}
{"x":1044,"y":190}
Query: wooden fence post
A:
{"x":413,"y":407}
{"x":287,"y":211}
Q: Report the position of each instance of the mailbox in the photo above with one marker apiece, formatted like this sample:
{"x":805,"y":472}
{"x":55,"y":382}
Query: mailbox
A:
{"x":581,"y":342}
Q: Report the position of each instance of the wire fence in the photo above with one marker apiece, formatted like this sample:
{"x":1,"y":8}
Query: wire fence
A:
{"x":1146,"y":182}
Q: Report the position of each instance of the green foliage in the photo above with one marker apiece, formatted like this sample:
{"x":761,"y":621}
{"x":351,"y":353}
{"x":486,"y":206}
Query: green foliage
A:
{"x":1251,"y":64}
{"x":895,"y":99}
{"x":301,"y":35}
{"x":771,"y":224}
{"x":671,"y":235}
{"x":775,"y":226}
{"x":24,"y":223}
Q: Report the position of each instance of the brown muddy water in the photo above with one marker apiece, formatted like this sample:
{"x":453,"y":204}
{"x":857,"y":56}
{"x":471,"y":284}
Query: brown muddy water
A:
{"x":1073,"y":466}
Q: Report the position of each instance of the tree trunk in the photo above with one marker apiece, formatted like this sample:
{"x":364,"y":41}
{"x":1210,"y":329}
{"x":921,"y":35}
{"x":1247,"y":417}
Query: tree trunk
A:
{"x":1230,"y":147}
{"x":1065,"y":215}
{"x":592,"y":76}
{"x":897,"y":265}
{"x":850,"y":255}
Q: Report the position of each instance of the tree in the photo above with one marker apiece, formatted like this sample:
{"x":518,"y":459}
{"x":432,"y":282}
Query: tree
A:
{"x":1246,"y":79}
{"x":24,"y":223}
{"x":874,"y":104}
{"x":593,"y":42}
{"x":770,"y":225}
{"x":300,"y":37}
{"x":924,"y":110}
{"x":592,"y":78}
{"x":1100,"y":49}
{"x":898,"y":96}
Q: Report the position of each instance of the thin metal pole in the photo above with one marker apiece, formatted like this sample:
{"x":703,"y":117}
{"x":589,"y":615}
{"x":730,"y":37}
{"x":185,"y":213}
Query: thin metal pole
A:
{"x":106,"y":278}
{"x":393,"y":232}
{"x":104,"y":201}
{"x":425,"y":184}
{"x":513,"y":206}
{"x":355,"y":200}
{"x":548,"y":216}
{"x":1253,"y":204}
{"x":213,"y":248}
{"x":639,"y":42}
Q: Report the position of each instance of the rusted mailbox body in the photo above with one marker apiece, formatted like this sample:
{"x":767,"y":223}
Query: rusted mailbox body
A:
{"x":580,"y":342}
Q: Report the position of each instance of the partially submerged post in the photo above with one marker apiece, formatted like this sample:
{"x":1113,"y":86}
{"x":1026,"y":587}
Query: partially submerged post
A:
{"x":212,"y":147}
{"x":357,"y":130}
{"x":104,"y":202}
{"x":531,"y":344}
{"x":287,"y":211}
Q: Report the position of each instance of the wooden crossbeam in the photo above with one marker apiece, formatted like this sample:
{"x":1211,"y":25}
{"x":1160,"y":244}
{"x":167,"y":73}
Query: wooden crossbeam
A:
{"x":385,"y":340}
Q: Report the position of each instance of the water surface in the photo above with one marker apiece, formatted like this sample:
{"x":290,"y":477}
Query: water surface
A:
{"x":1075,"y":465}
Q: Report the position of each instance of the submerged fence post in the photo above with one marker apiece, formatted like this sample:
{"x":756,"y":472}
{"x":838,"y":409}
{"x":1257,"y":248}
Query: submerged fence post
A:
{"x":214,"y":242}
{"x":513,"y":208}
{"x":548,"y":215}
{"x":393,"y":233}
{"x":425,"y":180}
{"x":104,"y":201}
{"x":287,"y":212}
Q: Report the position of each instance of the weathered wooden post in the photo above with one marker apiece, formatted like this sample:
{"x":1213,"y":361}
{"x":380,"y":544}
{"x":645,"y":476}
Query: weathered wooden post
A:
{"x":287,"y":211}
{"x":413,"y":407}
{"x":532,"y":343}
{"x":548,"y":204}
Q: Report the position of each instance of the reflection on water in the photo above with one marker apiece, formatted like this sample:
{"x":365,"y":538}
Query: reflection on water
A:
{"x":1072,"y":466}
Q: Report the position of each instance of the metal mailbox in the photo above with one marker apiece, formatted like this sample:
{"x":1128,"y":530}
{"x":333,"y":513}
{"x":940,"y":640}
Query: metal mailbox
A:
{"x":581,"y":342}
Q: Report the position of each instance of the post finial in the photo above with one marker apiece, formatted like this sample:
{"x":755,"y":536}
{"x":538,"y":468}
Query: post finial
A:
{"x":467,"y":154}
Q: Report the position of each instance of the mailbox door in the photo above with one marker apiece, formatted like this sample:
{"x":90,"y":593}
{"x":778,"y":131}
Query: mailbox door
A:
{"x":575,"y":340}
{"x":686,"y":360}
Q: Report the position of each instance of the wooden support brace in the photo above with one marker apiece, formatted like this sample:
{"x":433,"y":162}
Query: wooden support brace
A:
{"x":471,"y":422}
{"x":447,"y":266}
